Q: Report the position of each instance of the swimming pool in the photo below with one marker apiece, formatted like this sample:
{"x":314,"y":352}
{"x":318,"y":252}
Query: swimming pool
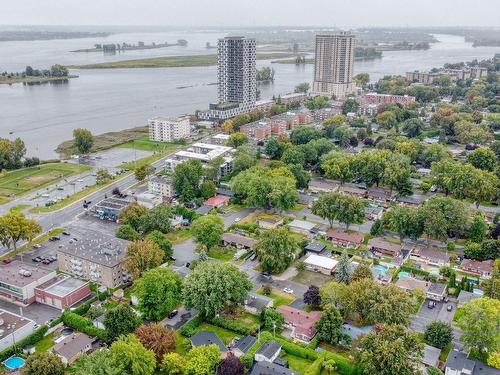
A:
{"x":404,"y":274}
{"x":14,"y":363}
{"x":380,"y":269}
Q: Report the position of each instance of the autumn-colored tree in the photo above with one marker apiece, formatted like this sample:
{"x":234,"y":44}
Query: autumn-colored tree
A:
{"x":142,"y":256}
{"x":158,"y":338}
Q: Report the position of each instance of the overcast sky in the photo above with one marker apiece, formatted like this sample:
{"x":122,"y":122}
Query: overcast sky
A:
{"x":252,"y":12}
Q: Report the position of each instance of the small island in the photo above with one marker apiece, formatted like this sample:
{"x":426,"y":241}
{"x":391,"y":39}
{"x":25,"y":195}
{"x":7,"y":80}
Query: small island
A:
{"x":33,"y":76}
{"x":113,"y":48}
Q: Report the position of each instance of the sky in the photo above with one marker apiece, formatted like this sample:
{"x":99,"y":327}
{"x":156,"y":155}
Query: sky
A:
{"x":339,"y":13}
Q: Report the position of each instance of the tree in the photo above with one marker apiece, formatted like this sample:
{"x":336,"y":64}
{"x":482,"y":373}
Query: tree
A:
{"x":492,"y":286}
{"x":244,"y":158}
{"x":350,"y":105}
{"x":478,"y":228}
{"x":98,"y":363}
{"x":103,"y":176}
{"x":120,"y":320}
{"x":342,"y":271}
{"x":227,"y":127}
{"x":271,"y":319}
{"x":362,"y":79}
{"x":302,"y":87}
{"x":83,"y":140}
{"x":43,"y":363}
{"x":328,"y":326}
{"x":172,"y":364}
{"x":312,"y":296}
{"x":438,"y":334}
{"x":186,"y":179}
{"x":304,"y":134}
{"x":231,"y":365}
{"x":207,"y":189}
{"x":444,"y":216}
{"x":388,"y":350}
{"x":159,"y":238}
{"x":274,"y":148}
{"x":132,"y":215}
{"x":142,"y":172}
{"x":158,"y":338}
{"x":362,"y":271}
{"x":387,"y":120}
{"x":397,"y":174}
{"x":494,"y":360}
{"x":483,"y":158}
{"x":14,"y":227}
{"x":159,"y":292}
{"x":330,"y":366}
{"x":202,"y":360}
{"x":413,"y":127}
{"x":58,"y":71}
{"x":479,"y":322}
{"x":142,"y":256}
{"x":338,"y":166}
{"x":350,"y":210}
{"x":131,"y":357}
{"x":276,"y":250}
{"x":405,"y":221}
{"x":126,"y":232}
{"x":211,"y":287}
{"x":434,"y":371}
{"x":237,"y":139}
{"x":156,"y":219}
{"x":208,"y":230}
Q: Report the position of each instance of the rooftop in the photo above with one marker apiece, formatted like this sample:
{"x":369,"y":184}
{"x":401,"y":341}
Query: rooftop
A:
{"x":484,"y":266}
{"x":20,"y":274}
{"x":465,"y":297}
{"x":423,"y":252}
{"x":269,"y":349}
{"x":410,"y":283}
{"x":217,"y":200}
{"x":258,"y":301}
{"x":207,"y":338}
{"x":62,"y":285}
{"x":321,"y":261}
{"x":72,"y":345}
{"x":355,"y":332}
{"x":161,"y":179}
{"x":458,"y":361}
{"x":238,"y":239}
{"x":245,"y":343}
{"x":383,"y":244}
{"x":302,"y":224}
{"x":341,"y":235}
{"x":10,"y":323}
{"x":268,"y":368}
{"x":437,"y":288}
{"x":431,"y":355}
{"x":315,"y":247}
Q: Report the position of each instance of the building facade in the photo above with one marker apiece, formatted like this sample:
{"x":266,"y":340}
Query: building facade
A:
{"x":169,"y":129}
{"x":333,"y":64}
{"x":161,"y":186}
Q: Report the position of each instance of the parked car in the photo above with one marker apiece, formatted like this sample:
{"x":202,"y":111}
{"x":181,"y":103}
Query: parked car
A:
{"x":37,"y":259}
{"x":52,"y":258}
{"x":37,"y":246}
{"x":431,"y":304}
{"x":45,"y":261}
{"x":66,"y":233}
{"x":288,"y":290}
{"x":237,"y":219}
{"x":172,"y":314}
{"x":449,"y":307}
{"x":6,"y":261}
{"x":188,"y":264}
{"x":173,"y":258}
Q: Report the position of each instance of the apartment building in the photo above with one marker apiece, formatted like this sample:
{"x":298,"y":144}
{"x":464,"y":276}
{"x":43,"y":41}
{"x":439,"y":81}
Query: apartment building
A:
{"x":333,"y":64}
{"x":163,"y":129}
{"x":374,"y":98}
{"x":257,"y":131}
{"x":161,"y":186}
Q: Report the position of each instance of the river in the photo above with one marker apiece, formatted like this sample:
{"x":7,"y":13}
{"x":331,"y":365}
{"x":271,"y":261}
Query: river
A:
{"x":109,"y":100}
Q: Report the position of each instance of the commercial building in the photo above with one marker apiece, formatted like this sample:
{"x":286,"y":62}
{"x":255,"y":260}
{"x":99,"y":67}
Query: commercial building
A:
{"x":62,"y":292}
{"x":333,"y":64}
{"x":18,"y":281}
{"x":148,"y":200}
{"x":161,"y":186}
{"x":236,"y":79}
{"x":110,"y":208}
{"x":96,"y":257}
{"x":163,"y":129}
{"x":204,"y":152}
{"x":374,"y":98}
{"x":14,"y":328}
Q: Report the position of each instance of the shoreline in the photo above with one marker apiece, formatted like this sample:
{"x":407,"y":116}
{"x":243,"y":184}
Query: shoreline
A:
{"x":35,"y":80}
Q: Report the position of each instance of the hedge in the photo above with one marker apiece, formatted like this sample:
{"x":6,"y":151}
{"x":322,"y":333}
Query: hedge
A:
{"x":84,"y":307}
{"x":188,"y":329}
{"x":415,"y":271}
{"x":315,"y":368}
{"x":83,"y":324}
{"x":29,"y":340}
{"x":240,"y":328}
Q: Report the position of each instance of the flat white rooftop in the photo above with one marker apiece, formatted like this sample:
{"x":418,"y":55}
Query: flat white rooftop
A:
{"x":321,"y":261}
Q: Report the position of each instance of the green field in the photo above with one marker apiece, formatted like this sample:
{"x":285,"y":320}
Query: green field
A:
{"x":24,"y":180}
{"x":144,"y":144}
{"x":280,"y":298}
{"x":172,"y":61}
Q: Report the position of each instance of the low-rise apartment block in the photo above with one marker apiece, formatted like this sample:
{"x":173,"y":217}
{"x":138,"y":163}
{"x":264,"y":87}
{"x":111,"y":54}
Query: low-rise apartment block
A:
{"x":97,"y":258}
{"x":163,"y":129}
{"x":161,"y":186}
{"x":204,"y":152}
{"x":257,"y":131}
{"x":374,"y":98}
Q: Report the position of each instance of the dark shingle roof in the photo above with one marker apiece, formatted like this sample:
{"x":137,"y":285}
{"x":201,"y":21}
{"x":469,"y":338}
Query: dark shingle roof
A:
{"x":458,"y":361}
{"x":245,"y":343}
{"x":267,"y":368}
{"x":315,"y":247}
{"x":269,"y":348}
{"x":207,"y":338}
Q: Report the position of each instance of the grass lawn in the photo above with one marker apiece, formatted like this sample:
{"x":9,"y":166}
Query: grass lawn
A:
{"x":247,"y":318}
{"x":222,"y":253}
{"x":178,"y":236}
{"x":280,"y":298}
{"x":144,"y":144}
{"x":45,"y":344}
{"x":111,"y":304}
{"x":445,"y":351}
{"x":19,"y":207}
{"x":298,"y":364}
{"x":225,"y":335}
{"x":180,"y":344}
{"x":24,"y":180}
{"x":40,"y":239}
{"x":298,"y":207}
{"x":311,"y":278}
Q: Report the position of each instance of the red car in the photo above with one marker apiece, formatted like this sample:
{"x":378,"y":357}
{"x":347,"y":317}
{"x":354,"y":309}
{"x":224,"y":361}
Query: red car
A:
{"x":46,"y":261}
{"x":6,"y":261}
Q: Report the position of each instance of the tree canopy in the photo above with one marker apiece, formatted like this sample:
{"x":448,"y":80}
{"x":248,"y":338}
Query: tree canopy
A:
{"x":276,"y":249}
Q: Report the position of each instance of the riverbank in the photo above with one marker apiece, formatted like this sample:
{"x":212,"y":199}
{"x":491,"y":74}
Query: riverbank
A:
{"x":106,"y":141}
{"x":172,"y":61}
{"x":32,"y":80}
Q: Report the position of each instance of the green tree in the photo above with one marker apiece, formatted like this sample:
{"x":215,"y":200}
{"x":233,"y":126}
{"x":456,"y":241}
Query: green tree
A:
{"x":483,"y":158}
{"x":172,"y":364}
{"x":492,"y":286}
{"x":479,"y":321}
{"x":405,"y":221}
{"x":328,"y":326}
{"x":244,"y":158}
{"x":159,"y":238}
{"x":237,"y":139}
{"x":186,"y":179}
{"x":387,"y":120}
{"x":43,"y":363}
{"x":342,"y":271}
{"x":120,"y":320}
{"x":362,"y":79}
{"x":293,"y":155}
{"x":413,"y":127}
{"x":208,"y":230}
{"x":57,"y":70}
{"x":83,"y":140}
{"x":156,"y":219}
{"x":202,"y":360}
{"x":158,"y":338}
{"x":438,"y":334}
{"x":98,"y":363}
{"x":207,"y":189}
{"x":338,"y":166}
{"x":274,"y":148}
{"x":211,"y":287}
{"x":389,"y":350}
{"x":362,"y":271}
{"x":131,"y":357}
{"x":132,"y":215}
{"x":142,"y":256}
{"x":14,"y":227}
{"x":443,"y":216}
{"x":159,"y":292}
{"x":302,"y":87}
{"x":272,"y":319}
{"x":141,"y":172}
{"x":276,"y":249}
{"x":397,"y":174}
{"x":478,"y":228}
{"x":126,"y":232}
{"x":350,"y":105}
{"x":304,"y":134}
{"x":103,"y":176}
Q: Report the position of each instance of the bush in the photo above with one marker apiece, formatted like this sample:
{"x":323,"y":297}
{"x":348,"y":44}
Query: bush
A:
{"x":188,"y":329}
{"x":241,"y":328}
{"x":84,"y":307}
{"x":29,"y":340}
{"x":82,"y":324}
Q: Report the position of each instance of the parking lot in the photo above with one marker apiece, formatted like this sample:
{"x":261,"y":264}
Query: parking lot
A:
{"x":37,"y":312}
{"x":112,"y":158}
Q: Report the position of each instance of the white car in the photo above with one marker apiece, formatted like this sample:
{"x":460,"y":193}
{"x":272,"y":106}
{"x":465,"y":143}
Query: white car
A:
{"x":237,"y":219}
{"x":288,"y":290}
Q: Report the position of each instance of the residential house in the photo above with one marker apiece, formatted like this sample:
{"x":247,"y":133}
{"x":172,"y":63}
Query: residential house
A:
{"x":431,"y":356}
{"x":268,"y":368}
{"x":269,"y":222}
{"x":345,"y":239}
{"x":72,"y":347}
{"x":380,"y":195}
{"x":381,"y":246}
{"x":322,"y":264}
{"x":409,"y":284}
{"x":464,"y":297}
{"x":482,"y":268}
{"x":302,"y":227}
{"x":239,"y":241}
{"x":431,"y":256}
{"x":458,"y":364}
{"x":437,"y":291}
{"x":411,"y":200}
{"x":241,"y":346}
{"x":315,"y":247}
{"x":317,"y":185}
{"x":217,"y":202}
{"x":301,"y":323}
{"x":202,"y":338}
{"x":268,"y":351}
{"x":354,"y":191}
{"x":255,"y":303}
{"x":373,"y":212}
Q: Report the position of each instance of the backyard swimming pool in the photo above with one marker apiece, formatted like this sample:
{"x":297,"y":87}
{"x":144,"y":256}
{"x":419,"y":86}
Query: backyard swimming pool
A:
{"x":404,"y":274}
{"x":380,"y":269}
{"x":14,"y":363}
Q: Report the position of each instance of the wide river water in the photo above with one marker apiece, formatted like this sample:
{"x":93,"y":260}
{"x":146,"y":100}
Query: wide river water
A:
{"x":113,"y":99}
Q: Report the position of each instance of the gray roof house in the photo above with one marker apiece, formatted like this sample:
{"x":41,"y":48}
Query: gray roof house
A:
{"x":431,"y":356}
{"x":268,"y":351}
{"x":255,"y":303}
{"x":207,"y":338}
{"x":315,"y":247}
{"x":242,"y":345}
{"x":267,"y":368}
{"x":465,"y":297}
{"x":458,"y":363}
{"x":437,"y":291}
